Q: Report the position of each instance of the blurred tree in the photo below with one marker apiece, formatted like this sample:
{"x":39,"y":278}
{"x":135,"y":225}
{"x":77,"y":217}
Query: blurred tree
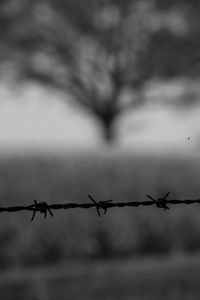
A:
{"x":99,"y":52}
{"x":90,"y":51}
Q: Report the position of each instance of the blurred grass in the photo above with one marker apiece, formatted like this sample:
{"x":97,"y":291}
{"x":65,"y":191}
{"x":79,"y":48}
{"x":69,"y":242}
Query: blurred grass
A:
{"x":176,"y":279}
{"x":81,"y":234}
{"x":96,"y":258}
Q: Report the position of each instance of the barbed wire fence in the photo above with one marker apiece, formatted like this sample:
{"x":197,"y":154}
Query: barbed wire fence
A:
{"x":100,"y":206}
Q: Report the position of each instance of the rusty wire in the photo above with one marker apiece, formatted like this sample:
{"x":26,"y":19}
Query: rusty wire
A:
{"x":45,"y":208}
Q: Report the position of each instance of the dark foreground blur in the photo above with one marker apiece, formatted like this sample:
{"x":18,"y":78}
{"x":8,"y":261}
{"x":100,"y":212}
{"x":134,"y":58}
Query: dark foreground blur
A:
{"x":128,"y":253}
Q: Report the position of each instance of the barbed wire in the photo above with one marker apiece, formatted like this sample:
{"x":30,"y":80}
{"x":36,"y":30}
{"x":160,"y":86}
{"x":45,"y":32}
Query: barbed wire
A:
{"x":102,"y":205}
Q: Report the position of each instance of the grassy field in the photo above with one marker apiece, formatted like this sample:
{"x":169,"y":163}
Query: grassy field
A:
{"x":76,"y":240}
{"x":176,"y":279}
{"x":80,"y":233}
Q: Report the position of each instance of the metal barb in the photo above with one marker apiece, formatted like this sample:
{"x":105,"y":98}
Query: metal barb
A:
{"x":160,"y":202}
{"x":100,"y":205}
{"x":41,"y":207}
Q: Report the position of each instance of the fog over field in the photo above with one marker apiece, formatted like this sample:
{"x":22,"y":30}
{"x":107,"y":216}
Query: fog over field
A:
{"x":35,"y":118}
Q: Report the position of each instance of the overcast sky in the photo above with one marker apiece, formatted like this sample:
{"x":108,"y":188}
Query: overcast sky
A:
{"x":33,"y":118}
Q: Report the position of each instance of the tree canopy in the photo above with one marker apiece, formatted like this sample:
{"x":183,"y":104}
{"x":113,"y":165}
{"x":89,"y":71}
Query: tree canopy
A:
{"x":100,"y":52}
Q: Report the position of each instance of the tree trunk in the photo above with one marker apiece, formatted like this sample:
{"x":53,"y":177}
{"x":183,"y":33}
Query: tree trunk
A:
{"x":109,"y":132}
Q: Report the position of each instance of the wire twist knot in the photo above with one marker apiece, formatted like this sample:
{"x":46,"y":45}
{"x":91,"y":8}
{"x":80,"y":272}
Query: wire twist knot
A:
{"x":41,"y":207}
{"x":160,"y":202}
{"x":100,"y":205}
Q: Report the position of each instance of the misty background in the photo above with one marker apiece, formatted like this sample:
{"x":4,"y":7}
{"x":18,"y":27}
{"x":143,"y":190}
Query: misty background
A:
{"x":99,"y":97}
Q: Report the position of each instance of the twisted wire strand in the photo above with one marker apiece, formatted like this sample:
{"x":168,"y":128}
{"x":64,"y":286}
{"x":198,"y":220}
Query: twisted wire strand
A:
{"x":45,"y":208}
